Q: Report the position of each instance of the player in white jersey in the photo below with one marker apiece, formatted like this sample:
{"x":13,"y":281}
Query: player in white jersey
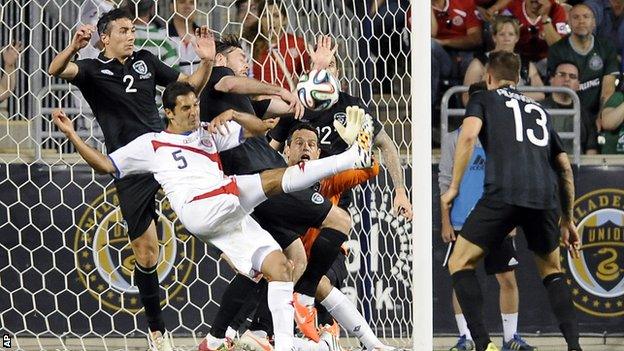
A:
{"x":185,"y":161}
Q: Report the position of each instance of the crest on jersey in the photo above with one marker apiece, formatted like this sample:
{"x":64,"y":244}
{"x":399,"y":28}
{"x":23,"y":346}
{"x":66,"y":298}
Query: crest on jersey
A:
{"x":597,"y":278}
{"x":341,"y":117}
{"x":458,"y":20}
{"x":595,"y":63}
{"x":317,"y":198}
{"x":105,"y":261}
{"x":140,"y":67}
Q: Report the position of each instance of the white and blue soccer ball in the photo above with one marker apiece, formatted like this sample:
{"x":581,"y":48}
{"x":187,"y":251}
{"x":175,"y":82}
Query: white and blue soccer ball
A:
{"x":318,"y":90}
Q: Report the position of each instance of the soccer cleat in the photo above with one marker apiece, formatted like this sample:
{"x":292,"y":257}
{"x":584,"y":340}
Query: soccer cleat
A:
{"x":491,"y":347}
{"x":334,"y":328}
{"x":158,"y":341}
{"x":517,"y":344}
{"x":254,"y":341}
{"x":364,"y":144}
{"x":463,"y":344}
{"x":305,"y":317}
{"x":210,"y":343}
{"x":330,"y":340}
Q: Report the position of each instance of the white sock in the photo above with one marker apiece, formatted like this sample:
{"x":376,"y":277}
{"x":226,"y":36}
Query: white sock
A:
{"x":306,"y":300}
{"x":230,"y":333}
{"x":309,"y":345}
{"x":462,"y":326}
{"x":305,"y":174}
{"x":339,"y":306}
{"x":510,"y":325}
{"x":279,"y":298}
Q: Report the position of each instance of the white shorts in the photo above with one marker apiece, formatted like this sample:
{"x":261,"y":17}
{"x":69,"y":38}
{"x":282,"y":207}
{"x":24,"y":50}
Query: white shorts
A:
{"x":223,"y":222}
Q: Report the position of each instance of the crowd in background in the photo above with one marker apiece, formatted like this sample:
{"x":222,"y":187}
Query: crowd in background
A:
{"x":574,"y":44}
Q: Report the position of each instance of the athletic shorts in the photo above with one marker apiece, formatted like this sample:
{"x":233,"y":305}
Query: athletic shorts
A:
{"x":137,"y":200}
{"x":221,"y":221}
{"x":287,"y":216}
{"x":490,"y":221}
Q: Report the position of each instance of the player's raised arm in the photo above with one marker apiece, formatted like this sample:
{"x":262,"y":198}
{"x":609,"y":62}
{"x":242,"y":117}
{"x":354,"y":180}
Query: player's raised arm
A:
{"x":61,"y":66}
{"x":205,"y":49}
{"x":97,"y":160}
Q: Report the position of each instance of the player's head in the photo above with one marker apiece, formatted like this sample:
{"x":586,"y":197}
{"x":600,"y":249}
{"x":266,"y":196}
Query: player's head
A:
{"x":181,"y":106}
{"x":302,"y":144}
{"x":273,"y":17}
{"x":230,"y":54}
{"x":503,"y":68}
{"x":581,"y":20}
{"x":505,"y":32}
{"x":566,"y":74}
{"x":117,"y":32}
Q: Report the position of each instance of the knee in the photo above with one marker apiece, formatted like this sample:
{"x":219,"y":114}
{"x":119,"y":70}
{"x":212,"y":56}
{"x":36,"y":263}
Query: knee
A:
{"x":145,"y":251}
{"x":507,"y":281}
{"x":461,"y":262}
{"x":280,"y":269}
{"x":338,"y":219}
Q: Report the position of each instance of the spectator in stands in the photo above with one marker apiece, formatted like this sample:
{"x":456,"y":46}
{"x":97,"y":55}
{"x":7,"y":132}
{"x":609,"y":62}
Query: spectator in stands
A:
{"x":595,"y":58}
{"x":8,"y":79}
{"x":505,"y":33}
{"x":490,"y":8}
{"x":279,"y":57}
{"x":247,"y":16}
{"x":150,"y":34}
{"x":609,"y":16}
{"x":612,"y":121}
{"x":456,"y":32}
{"x":543,"y":23}
{"x":181,"y":28}
{"x":566,"y":74}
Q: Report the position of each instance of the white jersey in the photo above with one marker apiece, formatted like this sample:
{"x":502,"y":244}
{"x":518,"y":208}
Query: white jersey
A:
{"x":186,"y":166}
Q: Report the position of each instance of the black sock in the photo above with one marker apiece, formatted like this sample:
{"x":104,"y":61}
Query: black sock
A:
{"x":146,"y":279}
{"x":250,"y":306}
{"x":324,"y":251}
{"x":262,"y":319}
{"x":232,"y":301}
{"x":561,"y":303}
{"x":468,"y":291}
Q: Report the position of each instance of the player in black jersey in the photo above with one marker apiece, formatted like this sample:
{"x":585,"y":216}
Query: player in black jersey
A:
{"x":120,"y":87}
{"x":330,"y":142}
{"x":285,"y":217}
{"x":525,"y":166}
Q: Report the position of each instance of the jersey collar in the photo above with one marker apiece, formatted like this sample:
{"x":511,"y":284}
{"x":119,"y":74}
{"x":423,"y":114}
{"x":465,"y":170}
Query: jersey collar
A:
{"x":105,"y":59}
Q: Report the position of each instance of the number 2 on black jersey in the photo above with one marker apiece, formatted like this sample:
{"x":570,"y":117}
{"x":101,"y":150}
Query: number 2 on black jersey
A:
{"x":541,"y":121}
{"x":324,"y":134}
{"x":130,"y":80}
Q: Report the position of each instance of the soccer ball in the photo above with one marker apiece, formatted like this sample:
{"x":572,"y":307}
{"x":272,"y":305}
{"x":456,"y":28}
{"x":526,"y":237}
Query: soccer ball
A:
{"x":318,"y":90}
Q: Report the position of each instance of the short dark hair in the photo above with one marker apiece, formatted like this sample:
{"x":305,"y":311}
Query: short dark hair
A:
{"x":565,"y":62}
{"x":504,"y":66}
{"x":172,"y":92}
{"x":226,"y":43}
{"x":300,"y":126}
{"x":103,"y":24}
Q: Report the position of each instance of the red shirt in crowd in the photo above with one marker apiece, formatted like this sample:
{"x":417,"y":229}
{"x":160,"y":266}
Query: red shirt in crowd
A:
{"x":456,"y":18}
{"x":531,"y":45}
{"x":292,"y":50}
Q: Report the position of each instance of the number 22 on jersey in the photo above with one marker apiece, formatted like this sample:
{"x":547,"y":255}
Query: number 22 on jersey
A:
{"x":541,"y":121}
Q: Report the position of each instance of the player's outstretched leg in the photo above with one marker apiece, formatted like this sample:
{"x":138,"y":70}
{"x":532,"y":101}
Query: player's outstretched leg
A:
{"x":559,"y":296}
{"x":462,"y":265}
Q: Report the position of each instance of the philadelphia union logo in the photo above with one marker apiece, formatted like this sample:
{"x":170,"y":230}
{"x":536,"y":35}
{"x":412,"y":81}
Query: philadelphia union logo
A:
{"x":105,"y":262}
{"x":598,"y":276}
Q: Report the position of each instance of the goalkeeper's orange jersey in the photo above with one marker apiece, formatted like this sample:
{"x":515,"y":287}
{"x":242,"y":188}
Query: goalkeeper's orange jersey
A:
{"x":332,"y":187}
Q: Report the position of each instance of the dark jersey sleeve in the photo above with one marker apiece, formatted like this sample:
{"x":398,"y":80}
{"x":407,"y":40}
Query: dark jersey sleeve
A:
{"x":556,"y":146}
{"x":591,"y":134}
{"x":611,"y":60}
{"x":164,"y":74}
{"x":84,"y":73}
{"x":476,"y":106}
{"x":216,"y":75}
{"x":280,"y":132}
{"x":261,"y":107}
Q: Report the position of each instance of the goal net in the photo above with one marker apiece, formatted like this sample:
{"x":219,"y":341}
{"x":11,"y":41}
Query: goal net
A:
{"x":65,"y":262}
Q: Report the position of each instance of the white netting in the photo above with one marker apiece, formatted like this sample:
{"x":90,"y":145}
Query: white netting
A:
{"x":65,"y":262}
